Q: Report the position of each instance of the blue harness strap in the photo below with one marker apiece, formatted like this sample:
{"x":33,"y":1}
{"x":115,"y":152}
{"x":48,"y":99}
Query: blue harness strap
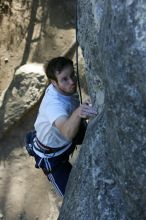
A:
{"x":29,"y":142}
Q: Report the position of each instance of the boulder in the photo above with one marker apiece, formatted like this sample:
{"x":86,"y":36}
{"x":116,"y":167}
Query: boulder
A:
{"x":23,"y":93}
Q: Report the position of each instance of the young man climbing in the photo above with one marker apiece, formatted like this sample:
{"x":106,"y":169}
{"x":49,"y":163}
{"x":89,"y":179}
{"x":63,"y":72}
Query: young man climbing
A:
{"x":60,"y":124}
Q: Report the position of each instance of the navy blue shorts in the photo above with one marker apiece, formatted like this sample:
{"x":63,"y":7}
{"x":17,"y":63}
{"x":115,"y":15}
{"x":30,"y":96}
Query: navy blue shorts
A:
{"x":57,"y":169}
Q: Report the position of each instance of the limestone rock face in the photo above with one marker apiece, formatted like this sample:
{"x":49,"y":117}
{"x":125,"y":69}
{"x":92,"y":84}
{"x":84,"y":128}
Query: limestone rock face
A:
{"x":108,"y":181}
{"x":23,"y":93}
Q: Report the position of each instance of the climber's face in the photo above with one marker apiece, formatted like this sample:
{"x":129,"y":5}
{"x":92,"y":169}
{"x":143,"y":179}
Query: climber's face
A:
{"x":66,"y":82}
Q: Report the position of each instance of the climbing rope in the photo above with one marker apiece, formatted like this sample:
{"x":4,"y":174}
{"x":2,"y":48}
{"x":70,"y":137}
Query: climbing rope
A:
{"x":77,"y":56}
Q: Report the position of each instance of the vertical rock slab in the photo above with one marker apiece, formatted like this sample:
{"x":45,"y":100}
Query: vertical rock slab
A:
{"x":108,"y":181}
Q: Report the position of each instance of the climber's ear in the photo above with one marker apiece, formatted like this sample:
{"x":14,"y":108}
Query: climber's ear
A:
{"x":54,"y":83}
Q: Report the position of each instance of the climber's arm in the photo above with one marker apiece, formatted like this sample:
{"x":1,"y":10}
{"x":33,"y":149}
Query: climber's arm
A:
{"x":70,"y":126}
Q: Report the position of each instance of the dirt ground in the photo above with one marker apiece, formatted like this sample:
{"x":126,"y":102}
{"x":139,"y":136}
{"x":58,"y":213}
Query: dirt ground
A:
{"x":25,"y":192}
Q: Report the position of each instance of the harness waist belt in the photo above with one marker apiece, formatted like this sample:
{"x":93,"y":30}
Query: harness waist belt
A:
{"x":46,"y":149}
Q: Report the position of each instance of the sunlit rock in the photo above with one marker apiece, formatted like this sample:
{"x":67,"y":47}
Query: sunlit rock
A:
{"x":24,"y":92}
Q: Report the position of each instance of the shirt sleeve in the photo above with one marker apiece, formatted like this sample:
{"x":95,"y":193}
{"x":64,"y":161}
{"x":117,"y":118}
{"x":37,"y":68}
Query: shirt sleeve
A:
{"x":55,"y":111}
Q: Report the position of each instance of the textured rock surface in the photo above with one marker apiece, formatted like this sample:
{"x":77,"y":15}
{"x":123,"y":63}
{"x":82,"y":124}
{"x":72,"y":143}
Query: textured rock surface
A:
{"x":23,"y":93}
{"x":109,"y":177}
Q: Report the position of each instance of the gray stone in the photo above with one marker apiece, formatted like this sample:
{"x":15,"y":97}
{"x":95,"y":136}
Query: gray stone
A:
{"x":1,"y":216}
{"x":22,"y":94}
{"x":108,"y":181}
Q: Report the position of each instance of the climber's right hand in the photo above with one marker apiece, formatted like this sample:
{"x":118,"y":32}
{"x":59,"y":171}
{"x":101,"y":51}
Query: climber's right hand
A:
{"x":86,"y":111}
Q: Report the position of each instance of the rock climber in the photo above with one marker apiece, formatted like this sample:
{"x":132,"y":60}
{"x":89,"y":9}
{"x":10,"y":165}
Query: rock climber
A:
{"x":60,"y":124}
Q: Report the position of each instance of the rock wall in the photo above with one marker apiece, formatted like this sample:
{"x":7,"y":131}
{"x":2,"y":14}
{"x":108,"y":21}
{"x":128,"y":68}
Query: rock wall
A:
{"x":108,"y":179}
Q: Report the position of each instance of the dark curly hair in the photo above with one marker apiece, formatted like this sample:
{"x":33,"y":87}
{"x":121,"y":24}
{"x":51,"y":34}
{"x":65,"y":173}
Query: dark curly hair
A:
{"x":55,"y":65}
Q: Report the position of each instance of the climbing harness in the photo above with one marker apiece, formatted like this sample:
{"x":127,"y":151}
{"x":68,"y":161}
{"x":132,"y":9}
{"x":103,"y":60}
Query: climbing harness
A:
{"x":32,"y":142}
{"x":77,"y":63}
